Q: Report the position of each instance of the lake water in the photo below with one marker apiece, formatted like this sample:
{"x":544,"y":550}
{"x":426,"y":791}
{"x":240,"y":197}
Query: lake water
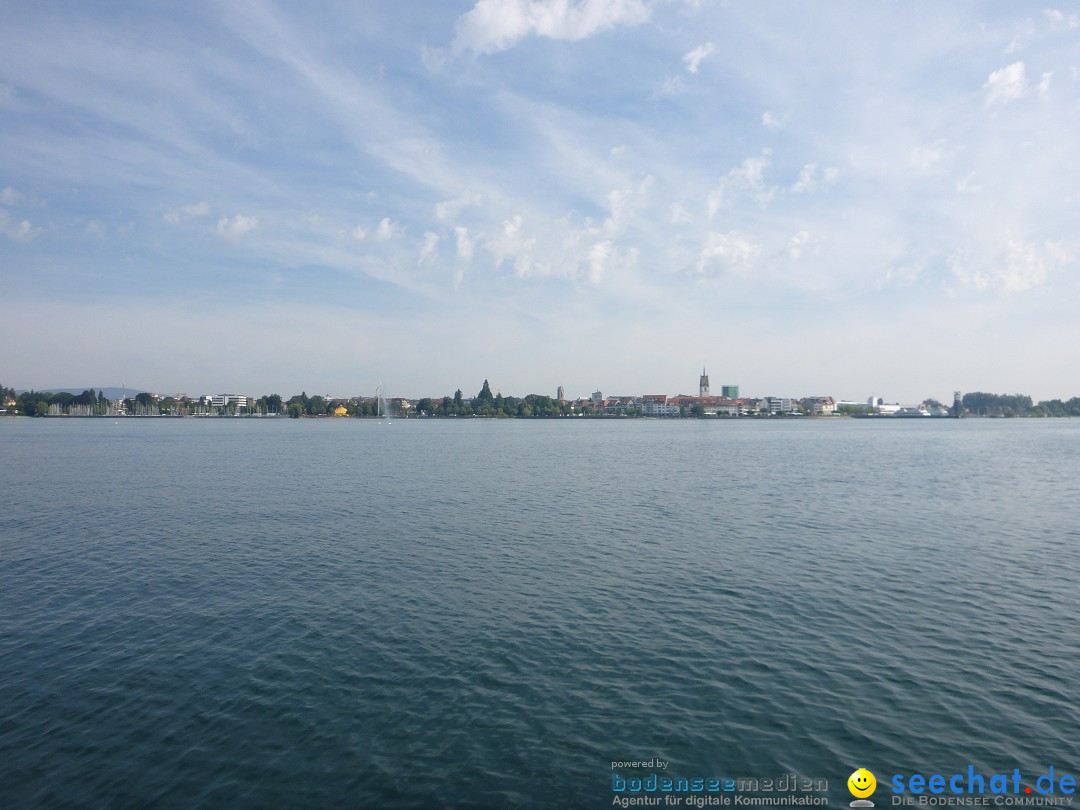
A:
{"x":474,"y":613}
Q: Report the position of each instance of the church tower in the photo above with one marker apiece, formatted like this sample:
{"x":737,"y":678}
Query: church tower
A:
{"x":703,"y":384}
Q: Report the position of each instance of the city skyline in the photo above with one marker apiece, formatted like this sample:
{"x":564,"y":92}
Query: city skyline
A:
{"x":544,"y":194}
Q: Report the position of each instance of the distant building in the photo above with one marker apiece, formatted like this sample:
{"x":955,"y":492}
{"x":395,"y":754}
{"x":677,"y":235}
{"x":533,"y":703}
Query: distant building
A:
{"x":779,"y":405}
{"x":703,"y":384}
{"x":620,"y":406}
{"x":729,"y":391}
{"x":819,"y":406}
{"x":340,"y":411}
{"x":658,"y":405}
{"x":560,"y":394}
{"x":597,"y":396}
{"x":223,"y":400}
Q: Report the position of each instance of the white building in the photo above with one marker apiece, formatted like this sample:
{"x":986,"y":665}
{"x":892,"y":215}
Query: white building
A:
{"x":224,"y":400}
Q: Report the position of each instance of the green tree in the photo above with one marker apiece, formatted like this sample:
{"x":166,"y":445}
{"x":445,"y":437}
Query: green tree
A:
{"x":983,"y":404}
{"x":485,"y":395}
{"x":145,"y":404}
{"x":296,"y":410}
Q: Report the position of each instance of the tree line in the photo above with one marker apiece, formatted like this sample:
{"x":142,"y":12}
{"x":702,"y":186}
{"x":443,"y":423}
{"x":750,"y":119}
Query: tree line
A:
{"x":979,"y":403}
{"x":37,"y":403}
{"x":493,"y":405}
{"x":94,"y":403}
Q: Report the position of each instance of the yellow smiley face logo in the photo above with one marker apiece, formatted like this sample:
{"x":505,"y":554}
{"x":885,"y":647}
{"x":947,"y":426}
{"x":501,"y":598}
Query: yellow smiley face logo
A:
{"x":861,"y":783}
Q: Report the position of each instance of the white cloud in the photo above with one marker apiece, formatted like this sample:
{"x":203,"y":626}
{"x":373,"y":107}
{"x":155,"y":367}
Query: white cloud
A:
{"x":750,"y":177}
{"x":185,"y":212}
{"x":94,"y":230}
{"x":450,"y":209}
{"x":466,"y":247}
{"x":902,"y":275}
{"x":13,"y":197}
{"x":811,"y":180}
{"x":671,"y":87}
{"x":770,"y":120}
{"x":694,"y":58}
{"x":234,"y":227}
{"x":495,"y":25}
{"x":512,"y":243}
{"x":679,"y":215}
{"x":1058,"y":21}
{"x":623,"y":204}
{"x":433,"y":59}
{"x":967,"y":185}
{"x":1026,"y":266}
{"x":1005,"y":85}
{"x":387,"y":230}
{"x":798,"y":244}
{"x":618,"y":151}
{"x":599,"y":256}
{"x":725,"y":252}
{"x":1012,"y":266}
{"x":1044,"y":84}
{"x":384,"y":231}
{"x":923,"y":157}
{"x":21,"y":231}
{"x":428,"y":248}
{"x":10,"y":196}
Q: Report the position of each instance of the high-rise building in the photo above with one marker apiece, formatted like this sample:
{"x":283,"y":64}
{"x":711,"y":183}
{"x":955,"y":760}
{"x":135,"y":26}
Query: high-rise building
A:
{"x":703,"y":384}
{"x":561,"y":395}
{"x":729,"y":391}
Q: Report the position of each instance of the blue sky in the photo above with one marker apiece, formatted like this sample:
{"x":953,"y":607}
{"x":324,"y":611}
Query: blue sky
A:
{"x":827,"y":198}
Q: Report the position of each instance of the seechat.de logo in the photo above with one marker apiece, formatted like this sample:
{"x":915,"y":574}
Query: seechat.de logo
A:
{"x":862,"y":784}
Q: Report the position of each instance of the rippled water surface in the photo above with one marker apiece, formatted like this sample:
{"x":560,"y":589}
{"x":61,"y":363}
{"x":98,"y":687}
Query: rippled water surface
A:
{"x":301,"y":613}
